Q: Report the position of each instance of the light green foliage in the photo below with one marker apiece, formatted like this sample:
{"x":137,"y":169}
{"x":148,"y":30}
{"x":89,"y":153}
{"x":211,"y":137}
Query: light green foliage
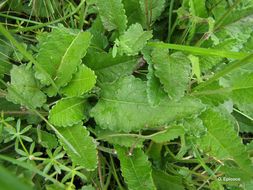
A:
{"x":173,"y":71}
{"x":217,"y":141}
{"x":67,"y":112}
{"x":107,"y":68}
{"x":155,"y":92}
{"x":120,"y":109}
{"x":60,"y":54}
{"x":133,"y":40}
{"x":112,"y":14}
{"x":136,"y":169}
{"x":24,"y":88}
{"x":198,"y":8}
{"x":78,"y":136}
{"x":83,"y":81}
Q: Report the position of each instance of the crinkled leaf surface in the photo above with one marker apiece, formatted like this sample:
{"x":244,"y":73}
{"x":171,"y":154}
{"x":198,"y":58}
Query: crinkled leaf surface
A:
{"x":173,"y":71}
{"x":79,"y":138}
{"x":217,"y":141}
{"x":123,"y":106}
{"x":136,"y":169}
{"x":133,"y":40}
{"x":60,"y":54}
{"x":24,"y":89}
{"x":155,"y":92}
{"x":83,"y":81}
{"x":112,"y":14}
{"x":67,"y":112}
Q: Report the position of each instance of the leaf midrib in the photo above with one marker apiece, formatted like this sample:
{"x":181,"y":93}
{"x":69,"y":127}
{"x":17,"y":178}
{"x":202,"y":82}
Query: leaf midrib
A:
{"x":65,"y":54}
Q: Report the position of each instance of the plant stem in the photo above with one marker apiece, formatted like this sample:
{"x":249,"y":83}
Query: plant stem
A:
{"x":223,"y":17}
{"x":25,"y":53}
{"x":226,"y":70}
{"x":52,"y":22}
{"x":200,"y":51}
{"x":170,"y":20}
{"x":115,"y":173}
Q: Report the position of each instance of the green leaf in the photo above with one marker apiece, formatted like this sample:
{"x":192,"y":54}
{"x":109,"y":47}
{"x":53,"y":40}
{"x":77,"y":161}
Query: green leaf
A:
{"x":107,"y":68}
{"x":112,"y":14}
{"x":85,"y":146}
{"x":5,"y":52}
{"x":123,"y":106}
{"x":152,"y":9}
{"x":134,"y":12}
{"x":136,"y":169}
{"x":217,"y":142}
{"x":155,"y":92}
{"x":67,"y":112}
{"x":208,"y":62}
{"x":173,"y":71}
{"x":133,"y":40}
{"x":164,"y":181}
{"x":23,"y":84}
{"x":171,"y":133}
{"x":60,"y":54}
{"x":83,"y":81}
{"x":47,"y":140}
{"x":242,"y":90}
{"x":198,"y":8}
{"x":10,"y":181}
